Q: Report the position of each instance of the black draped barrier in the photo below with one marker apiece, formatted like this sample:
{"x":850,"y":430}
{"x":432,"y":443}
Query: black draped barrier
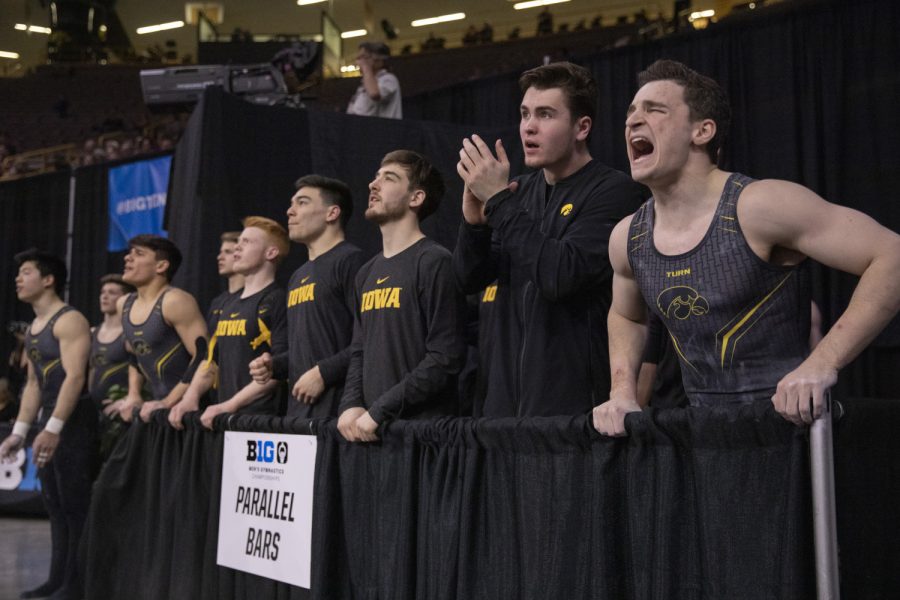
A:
{"x":694,"y":504}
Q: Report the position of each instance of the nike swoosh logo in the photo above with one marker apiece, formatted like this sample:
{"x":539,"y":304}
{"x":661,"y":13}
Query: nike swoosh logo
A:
{"x":262,"y":311}
{"x":305,"y":278}
{"x":382,"y":280}
{"x":233,"y":315}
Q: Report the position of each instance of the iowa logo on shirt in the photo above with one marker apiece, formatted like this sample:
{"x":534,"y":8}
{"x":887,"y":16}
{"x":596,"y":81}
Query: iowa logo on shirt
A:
{"x":34,"y":354}
{"x":231,"y":327}
{"x":388,"y":297}
{"x":99,"y":359}
{"x":140,"y":347}
{"x":304,"y":293}
{"x":566,"y":209}
{"x":681,"y":302}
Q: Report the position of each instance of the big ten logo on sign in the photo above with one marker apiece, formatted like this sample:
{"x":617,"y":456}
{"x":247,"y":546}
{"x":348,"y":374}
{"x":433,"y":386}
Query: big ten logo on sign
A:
{"x":267,"y":452}
{"x":11,"y":472}
{"x":20,"y":473}
{"x":265,"y":518}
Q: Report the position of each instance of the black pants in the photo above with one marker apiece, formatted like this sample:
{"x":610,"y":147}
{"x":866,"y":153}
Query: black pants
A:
{"x":66,"y":489}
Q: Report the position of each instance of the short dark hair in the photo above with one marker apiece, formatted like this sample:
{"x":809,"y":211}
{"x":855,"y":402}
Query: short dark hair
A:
{"x":333,"y":191}
{"x":115,"y":278}
{"x":162,"y":248}
{"x":422,"y":176}
{"x":704,"y":96}
{"x":576,"y":83}
{"x":378,"y":49}
{"x":230,"y":237}
{"x":46,"y":264}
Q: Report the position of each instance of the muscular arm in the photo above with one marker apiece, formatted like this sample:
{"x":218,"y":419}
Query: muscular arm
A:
{"x":180,"y":310}
{"x":31,"y":397}
{"x":778,"y":218}
{"x":627,"y":337}
{"x":73,"y":332}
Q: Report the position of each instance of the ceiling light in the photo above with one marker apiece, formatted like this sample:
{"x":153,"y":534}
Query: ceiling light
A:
{"x":305,"y":2}
{"x":702,"y":14}
{"x":354,"y":33}
{"x":32,"y":28}
{"x":160,"y":27}
{"x":13,"y":55}
{"x":534,"y":3}
{"x":440,"y":19}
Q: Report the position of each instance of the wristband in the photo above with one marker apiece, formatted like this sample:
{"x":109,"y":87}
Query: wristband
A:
{"x":54,"y":425}
{"x":21,"y":429}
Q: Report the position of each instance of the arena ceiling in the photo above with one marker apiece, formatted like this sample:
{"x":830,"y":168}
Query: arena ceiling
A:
{"x":286,"y":17}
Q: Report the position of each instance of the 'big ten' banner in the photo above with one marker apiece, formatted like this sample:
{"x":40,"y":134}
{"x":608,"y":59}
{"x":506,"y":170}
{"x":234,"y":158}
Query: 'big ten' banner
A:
{"x":137,"y":200}
{"x":265,"y":515}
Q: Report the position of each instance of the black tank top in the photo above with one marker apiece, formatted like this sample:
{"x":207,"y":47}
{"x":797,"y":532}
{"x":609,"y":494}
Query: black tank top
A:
{"x":161,"y":356}
{"x":109,"y":366}
{"x":43,"y":352}
{"x":737,"y":322}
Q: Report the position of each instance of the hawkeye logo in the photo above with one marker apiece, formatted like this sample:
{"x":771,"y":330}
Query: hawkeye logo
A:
{"x":99,"y":359}
{"x":380,"y":298}
{"x":34,"y":354}
{"x":566,"y":209}
{"x":304,"y":293}
{"x":490,"y":293}
{"x":681,"y":302}
{"x":141,"y":348}
{"x":231,"y":327}
{"x":267,"y":452}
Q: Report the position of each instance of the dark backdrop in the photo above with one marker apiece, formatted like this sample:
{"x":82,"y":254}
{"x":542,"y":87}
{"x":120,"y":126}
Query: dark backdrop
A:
{"x":237,"y":159}
{"x":813,"y":89}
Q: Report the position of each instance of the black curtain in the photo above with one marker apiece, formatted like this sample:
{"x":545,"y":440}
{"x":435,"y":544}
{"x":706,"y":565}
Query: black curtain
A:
{"x":237,"y":159}
{"x":695,"y":503}
{"x":33,"y":214}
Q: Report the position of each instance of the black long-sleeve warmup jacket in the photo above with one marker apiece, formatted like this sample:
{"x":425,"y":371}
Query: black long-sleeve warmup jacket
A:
{"x":547,"y":248}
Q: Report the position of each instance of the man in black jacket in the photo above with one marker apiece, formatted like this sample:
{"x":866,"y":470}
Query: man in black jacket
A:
{"x":543,"y":237}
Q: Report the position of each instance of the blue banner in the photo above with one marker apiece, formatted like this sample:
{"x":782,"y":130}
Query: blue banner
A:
{"x":137,"y":200}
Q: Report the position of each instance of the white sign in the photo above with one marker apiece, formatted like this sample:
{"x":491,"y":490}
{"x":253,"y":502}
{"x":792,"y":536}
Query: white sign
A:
{"x":265,"y":511}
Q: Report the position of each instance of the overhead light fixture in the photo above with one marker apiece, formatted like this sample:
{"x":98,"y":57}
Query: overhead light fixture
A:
{"x":160,"y":27}
{"x":32,"y":28}
{"x":440,"y":19}
{"x":305,"y":2}
{"x":701,"y":14}
{"x":13,"y":55}
{"x":535,"y":3}
{"x":354,"y":33}
{"x":349,"y":69}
